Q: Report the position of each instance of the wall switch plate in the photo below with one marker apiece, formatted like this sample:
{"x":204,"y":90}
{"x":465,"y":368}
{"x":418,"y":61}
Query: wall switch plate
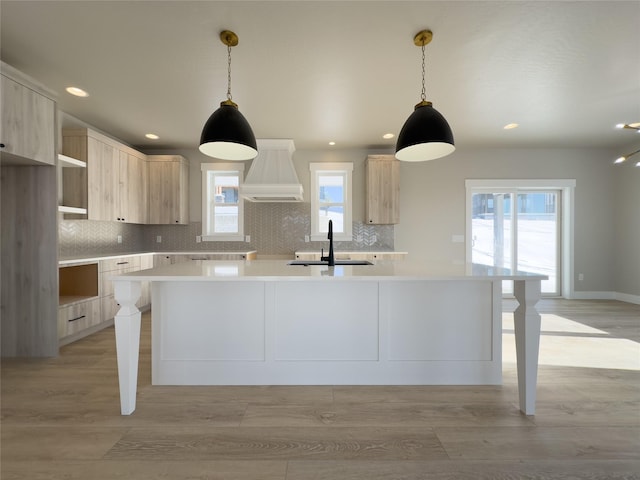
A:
{"x":580,"y":277}
{"x":306,"y":239}
{"x":198,"y":239}
{"x":159,"y":239}
{"x":119,"y":238}
{"x":247,"y":238}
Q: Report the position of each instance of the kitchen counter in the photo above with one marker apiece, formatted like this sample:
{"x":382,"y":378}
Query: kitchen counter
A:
{"x":264,"y":322}
{"x":266,"y":270}
{"x":95,"y":258}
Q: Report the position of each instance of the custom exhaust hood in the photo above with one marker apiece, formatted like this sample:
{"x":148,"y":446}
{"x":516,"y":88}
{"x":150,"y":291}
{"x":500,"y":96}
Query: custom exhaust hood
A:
{"x":272,"y":176}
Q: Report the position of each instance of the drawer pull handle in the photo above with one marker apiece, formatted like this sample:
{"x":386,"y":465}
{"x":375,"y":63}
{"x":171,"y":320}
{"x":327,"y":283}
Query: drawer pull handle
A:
{"x":198,"y":259}
{"x":77,"y":318}
{"x":122,"y":263}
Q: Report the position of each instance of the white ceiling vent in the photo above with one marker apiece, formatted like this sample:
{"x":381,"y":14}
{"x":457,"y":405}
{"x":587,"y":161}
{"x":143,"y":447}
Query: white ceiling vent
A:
{"x":272,"y":176}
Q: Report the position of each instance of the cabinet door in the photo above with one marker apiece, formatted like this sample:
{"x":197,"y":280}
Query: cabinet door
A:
{"x":103,"y":163}
{"x":168,"y":192}
{"x":27,"y":123}
{"x":383,"y":189}
{"x":133,"y":207}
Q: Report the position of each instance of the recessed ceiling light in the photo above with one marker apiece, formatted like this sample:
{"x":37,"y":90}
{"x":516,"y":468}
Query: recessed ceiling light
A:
{"x":510,"y":126}
{"x":152,"y":136}
{"x":332,"y":143}
{"x":78,"y":92}
{"x":388,"y":135}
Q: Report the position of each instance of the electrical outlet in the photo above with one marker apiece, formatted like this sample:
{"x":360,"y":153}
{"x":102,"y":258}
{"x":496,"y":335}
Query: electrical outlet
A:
{"x":159,"y":239}
{"x":247,"y":238}
{"x":198,"y":239}
{"x":306,"y":239}
{"x":119,"y":238}
{"x":580,"y":277}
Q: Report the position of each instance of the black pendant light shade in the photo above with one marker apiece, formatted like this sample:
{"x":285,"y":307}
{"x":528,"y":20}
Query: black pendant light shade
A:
{"x":425,"y":135}
{"x":227,"y":135}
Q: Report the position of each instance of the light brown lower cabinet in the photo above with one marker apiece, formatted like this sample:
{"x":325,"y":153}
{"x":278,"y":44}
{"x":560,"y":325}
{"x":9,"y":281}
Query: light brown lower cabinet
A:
{"x":78,"y":317}
{"x":87,"y":302}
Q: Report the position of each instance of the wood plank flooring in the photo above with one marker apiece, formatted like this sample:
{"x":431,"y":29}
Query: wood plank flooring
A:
{"x":61,"y":420}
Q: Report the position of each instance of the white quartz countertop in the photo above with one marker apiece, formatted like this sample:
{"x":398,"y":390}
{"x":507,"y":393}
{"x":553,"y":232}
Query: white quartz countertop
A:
{"x":96,"y":258}
{"x":276,"y":270}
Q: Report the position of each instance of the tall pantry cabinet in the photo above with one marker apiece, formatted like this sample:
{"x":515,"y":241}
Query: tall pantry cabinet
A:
{"x":29,"y":233}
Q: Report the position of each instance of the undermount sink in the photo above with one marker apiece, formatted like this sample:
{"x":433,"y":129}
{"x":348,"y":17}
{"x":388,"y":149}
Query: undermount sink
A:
{"x":306,"y":263}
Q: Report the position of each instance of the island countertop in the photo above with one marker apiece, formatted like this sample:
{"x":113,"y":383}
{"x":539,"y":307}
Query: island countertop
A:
{"x":265,"y":270}
{"x":265,"y":322}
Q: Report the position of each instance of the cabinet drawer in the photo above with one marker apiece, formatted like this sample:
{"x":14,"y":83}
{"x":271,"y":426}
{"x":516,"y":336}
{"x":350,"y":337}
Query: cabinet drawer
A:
{"x":120,"y":264}
{"x":77,"y":317}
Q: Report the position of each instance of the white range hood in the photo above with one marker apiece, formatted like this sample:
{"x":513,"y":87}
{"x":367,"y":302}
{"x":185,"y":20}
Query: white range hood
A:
{"x":272,"y":176}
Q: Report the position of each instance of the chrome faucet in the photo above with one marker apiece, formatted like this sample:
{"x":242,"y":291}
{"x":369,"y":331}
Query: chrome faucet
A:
{"x":330,"y":258}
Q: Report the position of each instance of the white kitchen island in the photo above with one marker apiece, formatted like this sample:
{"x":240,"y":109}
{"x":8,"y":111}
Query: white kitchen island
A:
{"x":263,"y":322}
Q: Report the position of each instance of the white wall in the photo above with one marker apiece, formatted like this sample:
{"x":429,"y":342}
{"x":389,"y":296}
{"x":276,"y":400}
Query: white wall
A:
{"x":433,"y":203}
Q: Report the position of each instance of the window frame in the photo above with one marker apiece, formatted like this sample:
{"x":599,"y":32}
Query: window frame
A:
{"x":344,"y":169}
{"x":224,"y":169}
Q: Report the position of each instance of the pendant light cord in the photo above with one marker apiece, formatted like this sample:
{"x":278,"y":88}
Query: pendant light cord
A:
{"x":424,"y":94}
{"x":229,"y":97}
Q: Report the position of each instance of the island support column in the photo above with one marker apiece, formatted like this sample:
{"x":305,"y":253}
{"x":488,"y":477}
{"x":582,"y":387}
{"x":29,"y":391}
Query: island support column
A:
{"x":527,"y":332}
{"x":127,"y":325}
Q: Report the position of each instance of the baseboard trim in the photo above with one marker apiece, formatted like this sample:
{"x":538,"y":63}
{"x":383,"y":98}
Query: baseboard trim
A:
{"x":626,"y":297}
{"x":623,"y":297}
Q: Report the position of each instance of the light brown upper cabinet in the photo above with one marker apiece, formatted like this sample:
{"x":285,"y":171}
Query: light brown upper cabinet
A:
{"x":113,"y":186}
{"x":383,"y":189}
{"x":28,"y":123}
{"x":133,"y":188}
{"x":168,"y":189}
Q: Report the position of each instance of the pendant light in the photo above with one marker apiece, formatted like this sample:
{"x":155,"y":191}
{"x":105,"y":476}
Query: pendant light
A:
{"x":426,"y":135}
{"x":227,"y":135}
{"x":624,"y":158}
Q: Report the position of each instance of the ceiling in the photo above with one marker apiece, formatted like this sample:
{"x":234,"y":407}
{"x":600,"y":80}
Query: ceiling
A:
{"x":342,"y":71}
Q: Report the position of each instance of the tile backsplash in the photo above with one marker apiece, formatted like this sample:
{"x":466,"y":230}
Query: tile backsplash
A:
{"x":274,"y":228}
{"x":79,"y":238}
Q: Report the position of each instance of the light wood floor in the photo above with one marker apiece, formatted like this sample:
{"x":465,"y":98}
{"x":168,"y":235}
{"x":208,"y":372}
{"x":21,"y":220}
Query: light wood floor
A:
{"x":61,"y":419}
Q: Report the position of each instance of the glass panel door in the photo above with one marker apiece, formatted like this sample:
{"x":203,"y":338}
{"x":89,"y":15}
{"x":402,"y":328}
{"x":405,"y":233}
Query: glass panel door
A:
{"x":491,"y":229}
{"x":538,"y":237}
{"x":521,"y":237}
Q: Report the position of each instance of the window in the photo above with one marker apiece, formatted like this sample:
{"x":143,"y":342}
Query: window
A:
{"x":331,"y":200}
{"x":222,"y":207}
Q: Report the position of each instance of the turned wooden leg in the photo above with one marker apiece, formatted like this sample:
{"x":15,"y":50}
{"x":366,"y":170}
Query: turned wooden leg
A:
{"x":527,"y":332}
{"x":127,"y":323}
